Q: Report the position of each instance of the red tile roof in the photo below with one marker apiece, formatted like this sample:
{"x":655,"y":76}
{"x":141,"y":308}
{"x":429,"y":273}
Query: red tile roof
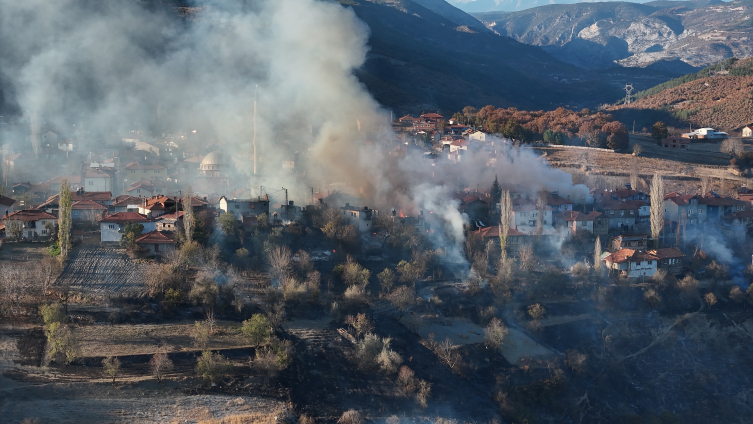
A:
{"x":29,"y":215}
{"x":125,"y":217}
{"x":125,"y":200}
{"x":88,"y":205}
{"x":156,"y":237}
{"x":619,"y":206}
{"x":630,"y":255}
{"x":577,"y":216}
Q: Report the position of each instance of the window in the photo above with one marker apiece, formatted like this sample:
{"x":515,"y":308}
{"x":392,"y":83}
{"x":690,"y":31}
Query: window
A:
{"x":611,"y":212}
{"x":700,"y":211}
{"x":111,"y":226}
{"x":690,"y":211}
{"x":622,"y":213}
{"x":237,"y":206}
{"x":44,"y":232}
{"x":91,"y":182}
{"x":133,"y":171}
{"x":632,"y":213}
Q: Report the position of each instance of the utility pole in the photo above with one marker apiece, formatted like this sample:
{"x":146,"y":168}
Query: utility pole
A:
{"x":628,"y":93}
{"x":286,"y":202}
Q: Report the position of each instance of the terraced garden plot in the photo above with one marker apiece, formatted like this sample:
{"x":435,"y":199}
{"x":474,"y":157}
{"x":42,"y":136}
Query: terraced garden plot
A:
{"x":102,"y":270}
{"x":148,"y":339}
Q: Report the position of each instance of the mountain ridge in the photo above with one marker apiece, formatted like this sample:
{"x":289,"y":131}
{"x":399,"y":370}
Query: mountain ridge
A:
{"x":604,"y":34}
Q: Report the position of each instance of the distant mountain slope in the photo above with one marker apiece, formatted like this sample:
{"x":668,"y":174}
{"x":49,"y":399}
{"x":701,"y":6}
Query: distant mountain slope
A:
{"x":422,"y":61}
{"x":480,"y":6}
{"x":723,"y":100}
{"x":448,"y":11}
{"x":598,"y":35}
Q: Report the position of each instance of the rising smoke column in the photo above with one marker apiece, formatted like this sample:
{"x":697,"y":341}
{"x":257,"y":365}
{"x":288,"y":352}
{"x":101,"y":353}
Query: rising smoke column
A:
{"x":117,"y":65}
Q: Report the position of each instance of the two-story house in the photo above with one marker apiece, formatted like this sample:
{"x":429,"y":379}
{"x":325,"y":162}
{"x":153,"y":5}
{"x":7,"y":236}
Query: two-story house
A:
{"x":670,"y":258}
{"x":245,"y":207}
{"x":525,"y":217}
{"x":717,"y":207}
{"x":136,"y":171}
{"x":580,"y":222}
{"x":688,"y":207}
{"x":112,"y":226}
{"x":362,"y":218}
{"x":632,"y":263}
{"x":621,"y":214}
{"x":31,"y":223}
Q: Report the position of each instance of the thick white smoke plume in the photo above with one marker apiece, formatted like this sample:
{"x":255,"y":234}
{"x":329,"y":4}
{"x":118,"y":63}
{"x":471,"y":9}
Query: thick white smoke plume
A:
{"x":109,"y":67}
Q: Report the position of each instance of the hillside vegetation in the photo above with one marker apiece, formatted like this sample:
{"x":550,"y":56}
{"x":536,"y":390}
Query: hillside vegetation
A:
{"x":731,"y":66}
{"x":723,"y":100}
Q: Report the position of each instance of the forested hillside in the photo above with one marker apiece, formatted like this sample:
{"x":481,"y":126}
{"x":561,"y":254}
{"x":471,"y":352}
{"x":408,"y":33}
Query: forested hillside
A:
{"x":715,"y":98}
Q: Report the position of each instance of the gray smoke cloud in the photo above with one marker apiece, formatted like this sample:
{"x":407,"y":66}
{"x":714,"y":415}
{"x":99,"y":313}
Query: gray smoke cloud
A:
{"x":116,"y":66}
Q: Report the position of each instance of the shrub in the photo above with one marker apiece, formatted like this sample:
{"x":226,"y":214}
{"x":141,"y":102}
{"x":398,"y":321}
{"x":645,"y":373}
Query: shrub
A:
{"x":351,"y":417}
{"x":575,"y":360}
{"x":373,"y":351}
{"x":536,"y":311}
{"x":111,"y":366}
{"x":52,"y":313}
{"x":257,"y":328}
{"x":652,"y":297}
{"x":212,"y":367}
{"x":495,"y":333}
{"x":386,"y":280}
{"x":201,"y":334}
{"x":355,"y":295}
{"x":361,"y":324}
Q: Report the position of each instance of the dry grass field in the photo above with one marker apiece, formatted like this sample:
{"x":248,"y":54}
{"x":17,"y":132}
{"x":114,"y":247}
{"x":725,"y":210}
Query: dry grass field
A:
{"x":148,"y":339}
{"x":682,"y":170}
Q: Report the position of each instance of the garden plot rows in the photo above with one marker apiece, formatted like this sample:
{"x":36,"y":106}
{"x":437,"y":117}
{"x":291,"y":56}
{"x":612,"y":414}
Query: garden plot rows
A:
{"x":102,"y":270}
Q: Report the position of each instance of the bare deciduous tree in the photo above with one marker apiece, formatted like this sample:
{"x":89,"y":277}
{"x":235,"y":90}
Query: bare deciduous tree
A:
{"x":447,"y":353}
{"x":279,"y":259}
{"x":657,"y":207}
{"x":732,"y":146}
{"x":160,"y":365}
{"x":526,"y":257}
{"x":495,"y":333}
{"x":705,"y":184}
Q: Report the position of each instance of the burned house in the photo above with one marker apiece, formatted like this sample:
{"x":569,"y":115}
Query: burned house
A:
{"x":670,"y":259}
{"x":244,"y":208}
{"x":361,"y":218}
{"x":629,"y":241}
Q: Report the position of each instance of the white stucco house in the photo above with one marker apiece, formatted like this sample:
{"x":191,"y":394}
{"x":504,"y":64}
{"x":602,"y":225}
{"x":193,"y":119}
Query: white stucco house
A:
{"x":33,"y":223}
{"x":112,"y":226}
{"x":245,"y":207}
